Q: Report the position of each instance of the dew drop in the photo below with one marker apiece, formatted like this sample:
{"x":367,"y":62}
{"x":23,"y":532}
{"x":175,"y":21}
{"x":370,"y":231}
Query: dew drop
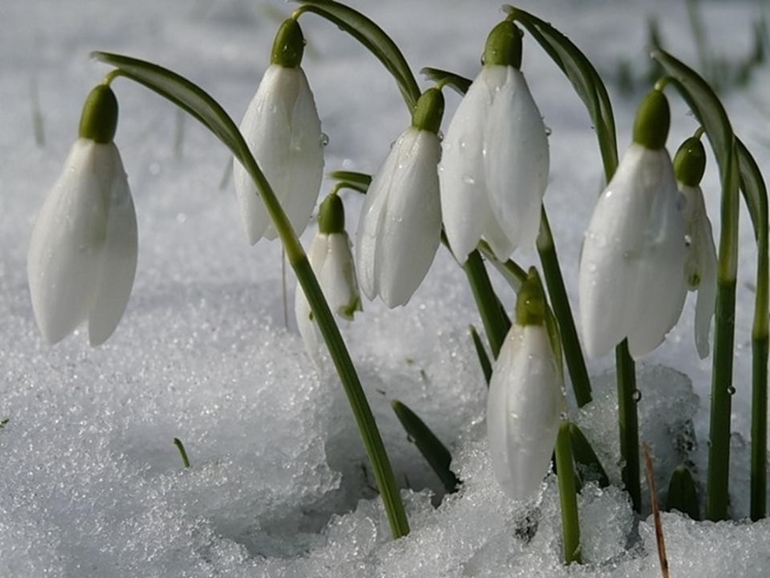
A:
{"x":636,"y":396}
{"x":548,"y":131}
{"x":469,"y":180}
{"x":324,"y":139}
{"x":731,"y":390}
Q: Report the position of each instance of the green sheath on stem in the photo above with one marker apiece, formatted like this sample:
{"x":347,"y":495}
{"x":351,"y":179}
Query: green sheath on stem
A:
{"x":628,"y":421}
{"x":570,"y":520}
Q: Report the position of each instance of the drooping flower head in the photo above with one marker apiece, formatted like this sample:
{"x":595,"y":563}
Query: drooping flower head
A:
{"x":82,"y":254}
{"x":526,"y":398}
{"x":632,"y":281}
{"x":283,"y":131}
{"x":494,"y":168}
{"x":332,"y":262}
{"x":701,"y":265}
{"x":400,"y":226}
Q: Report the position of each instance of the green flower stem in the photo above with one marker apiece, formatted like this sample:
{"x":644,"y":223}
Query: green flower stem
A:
{"x":496,"y":324}
{"x":204,"y":108}
{"x":182,"y":452}
{"x":628,"y":420}
{"x":719,"y":426}
{"x":570,"y":521}
{"x":573,"y":354}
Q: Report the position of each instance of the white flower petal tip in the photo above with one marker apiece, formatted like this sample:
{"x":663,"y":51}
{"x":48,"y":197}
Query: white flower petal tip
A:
{"x":82,"y":254}
{"x":632,"y":282}
{"x":332,"y":261}
{"x":283,"y":131}
{"x":494,"y":169}
{"x":400,"y":225}
{"x":701,"y":266}
{"x":524,"y":411}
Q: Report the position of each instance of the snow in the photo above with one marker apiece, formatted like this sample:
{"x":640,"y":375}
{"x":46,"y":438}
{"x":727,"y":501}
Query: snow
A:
{"x":91,"y":483}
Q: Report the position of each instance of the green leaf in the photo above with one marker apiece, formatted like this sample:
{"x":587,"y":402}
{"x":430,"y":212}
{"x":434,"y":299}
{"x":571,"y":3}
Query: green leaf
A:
{"x":683,"y":493}
{"x":586,"y":81}
{"x":444,"y":77}
{"x":589,"y":466}
{"x":429,"y":445}
{"x":373,"y":38}
{"x":481,"y":352}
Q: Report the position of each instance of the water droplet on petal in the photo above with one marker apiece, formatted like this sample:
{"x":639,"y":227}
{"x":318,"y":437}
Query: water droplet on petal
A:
{"x":469,"y":180}
{"x":548,"y":131}
{"x":324,"y":139}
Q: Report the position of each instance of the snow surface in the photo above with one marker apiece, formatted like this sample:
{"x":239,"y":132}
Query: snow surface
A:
{"x":91,"y":484}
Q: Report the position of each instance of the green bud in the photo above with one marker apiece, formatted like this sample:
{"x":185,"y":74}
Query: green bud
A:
{"x":288,"y":46}
{"x":530,"y":302}
{"x":503,"y":46}
{"x":653,"y":119}
{"x":331,"y":215}
{"x":429,"y":111}
{"x":690,"y":162}
{"x":99,"y":119}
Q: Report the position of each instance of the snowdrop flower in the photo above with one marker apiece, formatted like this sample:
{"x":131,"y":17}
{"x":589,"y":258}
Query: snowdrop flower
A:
{"x":526,"y":398}
{"x":400,"y":225}
{"x":283,"y":131}
{"x":494,"y":168}
{"x":632,"y":281}
{"x":332,"y":262}
{"x":701,"y":265}
{"x":82,"y":254}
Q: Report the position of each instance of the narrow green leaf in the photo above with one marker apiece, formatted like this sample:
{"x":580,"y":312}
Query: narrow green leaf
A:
{"x":373,"y":39}
{"x":707,"y":108}
{"x":182,"y":452}
{"x":570,"y":520}
{"x":755,"y":194}
{"x":444,"y":77}
{"x":434,"y":452}
{"x":589,"y":465}
{"x":683,"y":493}
{"x":481,"y":352}
{"x":584,"y":78}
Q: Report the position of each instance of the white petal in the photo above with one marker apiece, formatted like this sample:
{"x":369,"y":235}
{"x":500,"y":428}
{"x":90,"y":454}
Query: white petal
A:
{"x":464,"y":200}
{"x":68,"y":239}
{"x":401,"y":223}
{"x":282,"y":128}
{"x":701,"y":265}
{"x":516,"y":157}
{"x":337,"y":276}
{"x":118,"y":260}
{"x":523,"y":411}
{"x":631,"y":269}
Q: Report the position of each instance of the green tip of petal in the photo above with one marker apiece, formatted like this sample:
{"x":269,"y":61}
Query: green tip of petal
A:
{"x":429,"y":111}
{"x":99,"y":120}
{"x":690,"y":162}
{"x":503,"y":46}
{"x":653,"y":119}
{"x":289,"y":45}
{"x":530,"y":302}
{"x":331,"y":215}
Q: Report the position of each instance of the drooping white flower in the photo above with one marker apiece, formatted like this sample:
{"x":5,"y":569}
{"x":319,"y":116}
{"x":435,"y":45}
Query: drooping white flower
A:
{"x":632,"y":283}
{"x":701,"y":265}
{"x":525,"y":400}
{"x":332,"y":262}
{"x":283,"y":131}
{"x":82,"y":255}
{"x":494,"y":168}
{"x":400,"y":225}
